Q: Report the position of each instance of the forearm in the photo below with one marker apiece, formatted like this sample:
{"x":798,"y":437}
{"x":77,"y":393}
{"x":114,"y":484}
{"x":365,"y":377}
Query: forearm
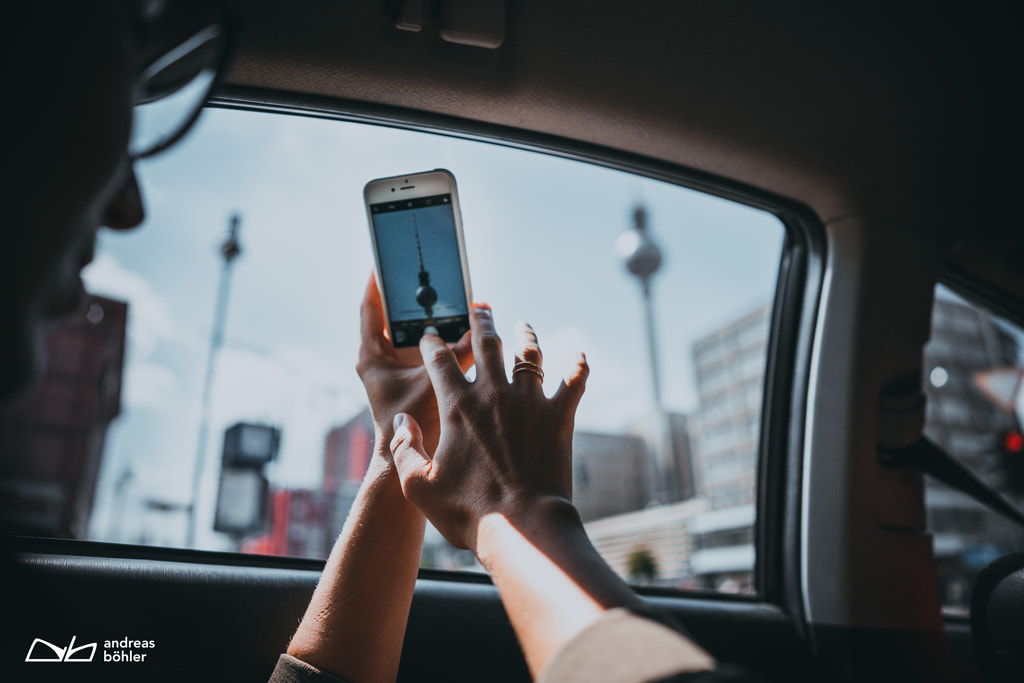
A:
{"x":552,"y":581}
{"x":355,"y":623}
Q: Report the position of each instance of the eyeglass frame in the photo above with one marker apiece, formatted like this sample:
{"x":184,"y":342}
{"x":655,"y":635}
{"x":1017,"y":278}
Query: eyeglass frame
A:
{"x":226,"y":30}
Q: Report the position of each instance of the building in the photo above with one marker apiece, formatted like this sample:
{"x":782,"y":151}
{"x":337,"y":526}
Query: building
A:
{"x":613,"y":491}
{"x":51,"y":444}
{"x":660,"y":534}
{"x":729,"y":369}
{"x":612,"y":473}
{"x":609,"y":474}
{"x":651,"y":429}
{"x":298,"y":526}
{"x":347,"y":456}
{"x":965,"y":345}
{"x":729,"y":366}
{"x":722,"y":553}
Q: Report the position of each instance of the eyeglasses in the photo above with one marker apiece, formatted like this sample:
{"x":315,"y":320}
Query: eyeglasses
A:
{"x":173,"y":88}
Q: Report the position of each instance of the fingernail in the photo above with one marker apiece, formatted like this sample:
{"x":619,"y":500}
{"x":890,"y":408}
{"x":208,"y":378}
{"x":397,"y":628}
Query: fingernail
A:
{"x":399,"y":421}
{"x":581,"y":357}
{"x":482,"y":309}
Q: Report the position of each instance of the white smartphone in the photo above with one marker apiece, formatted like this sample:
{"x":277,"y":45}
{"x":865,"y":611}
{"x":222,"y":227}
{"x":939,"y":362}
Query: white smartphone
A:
{"x":420,"y":256}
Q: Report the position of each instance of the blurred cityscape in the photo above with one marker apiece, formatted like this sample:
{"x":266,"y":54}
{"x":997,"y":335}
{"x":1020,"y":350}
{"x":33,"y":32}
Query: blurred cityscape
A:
{"x":697,"y":533}
{"x":972,"y":382}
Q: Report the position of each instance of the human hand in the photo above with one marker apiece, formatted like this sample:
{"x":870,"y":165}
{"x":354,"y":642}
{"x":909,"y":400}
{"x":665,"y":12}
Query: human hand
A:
{"x":504,"y":447}
{"x":391,"y":386}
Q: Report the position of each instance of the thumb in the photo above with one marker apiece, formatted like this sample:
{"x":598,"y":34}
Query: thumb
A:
{"x":411,"y":460}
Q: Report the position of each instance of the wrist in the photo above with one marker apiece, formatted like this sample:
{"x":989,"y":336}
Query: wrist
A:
{"x":381,"y":488}
{"x":536,"y":519}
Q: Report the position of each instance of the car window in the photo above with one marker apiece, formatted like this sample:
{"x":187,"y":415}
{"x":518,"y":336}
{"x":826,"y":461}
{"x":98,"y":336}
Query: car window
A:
{"x":974,"y":365}
{"x":269,"y":401}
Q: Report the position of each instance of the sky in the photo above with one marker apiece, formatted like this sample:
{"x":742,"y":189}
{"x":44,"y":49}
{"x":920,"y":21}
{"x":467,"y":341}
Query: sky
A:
{"x":540,"y":236}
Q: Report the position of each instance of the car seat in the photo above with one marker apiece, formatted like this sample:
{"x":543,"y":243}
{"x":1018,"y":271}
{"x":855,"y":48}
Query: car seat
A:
{"x":997,"y":619}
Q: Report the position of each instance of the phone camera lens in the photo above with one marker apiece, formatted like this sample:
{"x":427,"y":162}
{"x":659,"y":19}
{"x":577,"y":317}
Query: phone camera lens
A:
{"x":392,"y":189}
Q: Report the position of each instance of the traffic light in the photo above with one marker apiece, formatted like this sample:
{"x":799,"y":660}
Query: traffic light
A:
{"x":243,"y":492}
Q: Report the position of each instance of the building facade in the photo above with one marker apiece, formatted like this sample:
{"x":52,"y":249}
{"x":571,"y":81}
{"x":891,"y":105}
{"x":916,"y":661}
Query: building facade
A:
{"x":614,"y":473}
{"x":729,"y":368}
{"x":659,"y":535}
{"x":347,"y":454}
{"x":609,"y":474}
{"x":51,"y":443}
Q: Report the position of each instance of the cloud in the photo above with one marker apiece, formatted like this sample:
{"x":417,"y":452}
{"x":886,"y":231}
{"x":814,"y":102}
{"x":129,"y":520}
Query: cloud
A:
{"x":149,"y":317}
{"x":291,"y":387}
{"x":150,"y":385}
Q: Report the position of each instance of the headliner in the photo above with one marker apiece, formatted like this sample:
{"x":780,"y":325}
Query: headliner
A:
{"x":904,"y":112}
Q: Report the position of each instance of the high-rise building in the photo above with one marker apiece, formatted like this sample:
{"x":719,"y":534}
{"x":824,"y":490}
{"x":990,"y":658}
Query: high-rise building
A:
{"x":51,"y":443}
{"x":729,"y":369}
{"x":729,"y":366}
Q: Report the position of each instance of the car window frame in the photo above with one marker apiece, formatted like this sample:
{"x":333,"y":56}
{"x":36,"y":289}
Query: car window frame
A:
{"x":793,"y":317}
{"x":787,"y":374}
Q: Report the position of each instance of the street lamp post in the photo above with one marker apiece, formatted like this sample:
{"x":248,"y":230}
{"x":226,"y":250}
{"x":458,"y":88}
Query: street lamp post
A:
{"x":229,"y":250}
{"x":643,"y":259}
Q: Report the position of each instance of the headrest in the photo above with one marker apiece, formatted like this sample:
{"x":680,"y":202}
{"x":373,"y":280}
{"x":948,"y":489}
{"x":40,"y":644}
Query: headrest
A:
{"x":997,"y":619}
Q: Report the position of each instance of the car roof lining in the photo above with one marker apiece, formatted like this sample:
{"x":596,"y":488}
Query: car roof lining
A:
{"x":849,"y":108}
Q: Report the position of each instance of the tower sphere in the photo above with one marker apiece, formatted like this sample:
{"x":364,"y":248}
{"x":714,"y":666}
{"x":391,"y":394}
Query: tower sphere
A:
{"x":642,"y":256}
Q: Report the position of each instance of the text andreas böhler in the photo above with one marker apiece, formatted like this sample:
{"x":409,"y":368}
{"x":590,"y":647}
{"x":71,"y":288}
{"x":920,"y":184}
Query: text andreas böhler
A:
{"x":124,"y":650}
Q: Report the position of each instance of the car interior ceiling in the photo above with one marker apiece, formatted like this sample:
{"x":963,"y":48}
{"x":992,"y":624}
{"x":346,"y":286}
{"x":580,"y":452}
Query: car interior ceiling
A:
{"x":891,"y":126}
{"x":848,"y":108}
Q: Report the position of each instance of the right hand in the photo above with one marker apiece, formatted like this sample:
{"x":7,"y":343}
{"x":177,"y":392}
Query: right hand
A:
{"x":504,"y":447}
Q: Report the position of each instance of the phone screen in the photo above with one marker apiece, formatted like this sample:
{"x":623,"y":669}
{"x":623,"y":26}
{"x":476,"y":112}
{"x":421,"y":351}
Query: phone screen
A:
{"x":420,"y":269}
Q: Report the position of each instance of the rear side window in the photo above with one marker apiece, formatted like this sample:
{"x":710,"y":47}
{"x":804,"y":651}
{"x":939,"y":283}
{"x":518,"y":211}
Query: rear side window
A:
{"x":666,"y":437}
{"x":974,"y":365}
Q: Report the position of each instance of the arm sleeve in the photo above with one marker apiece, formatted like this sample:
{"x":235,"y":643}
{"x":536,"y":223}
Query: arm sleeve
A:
{"x":292,"y":670}
{"x":624,"y":647}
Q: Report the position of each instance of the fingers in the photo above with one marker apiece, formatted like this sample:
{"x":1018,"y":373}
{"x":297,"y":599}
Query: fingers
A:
{"x":570,"y":391}
{"x":371,"y":318}
{"x":486,"y":345}
{"x":527,"y":347}
{"x":407,"y":452}
{"x":527,"y":369}
{"x":443,"y":368}
{"x":463,"y":351}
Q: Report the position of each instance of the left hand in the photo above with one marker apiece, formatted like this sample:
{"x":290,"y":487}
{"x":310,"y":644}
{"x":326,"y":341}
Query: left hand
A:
{"x":391,"y":386}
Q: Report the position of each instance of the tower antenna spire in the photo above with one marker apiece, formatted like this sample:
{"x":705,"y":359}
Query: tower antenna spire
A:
{"x":426,"y":296}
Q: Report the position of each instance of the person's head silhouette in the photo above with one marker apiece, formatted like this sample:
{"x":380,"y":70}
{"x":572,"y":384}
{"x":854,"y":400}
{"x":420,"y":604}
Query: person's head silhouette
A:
{"x":90,"y":88}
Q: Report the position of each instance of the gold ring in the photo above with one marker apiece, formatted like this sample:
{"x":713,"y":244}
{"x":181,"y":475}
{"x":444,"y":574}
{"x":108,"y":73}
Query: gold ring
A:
{"x":527,"y":366}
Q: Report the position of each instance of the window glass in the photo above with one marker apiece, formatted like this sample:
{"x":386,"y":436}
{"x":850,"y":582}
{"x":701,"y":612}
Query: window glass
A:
{"x":974,"y":364}
{"x":665,"y":484}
